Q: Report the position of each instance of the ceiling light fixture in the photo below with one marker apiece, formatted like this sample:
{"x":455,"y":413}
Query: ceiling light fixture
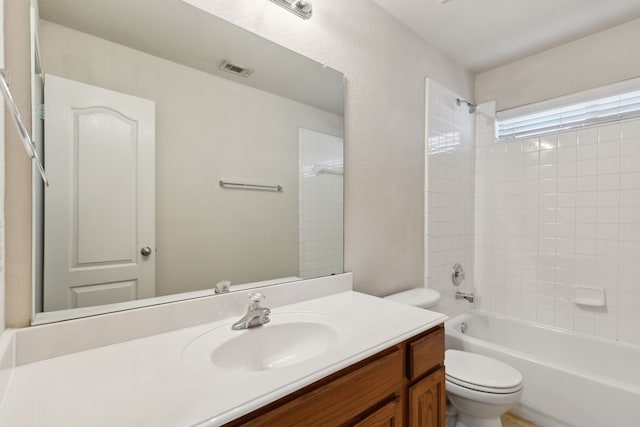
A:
{"x":301,"y":8}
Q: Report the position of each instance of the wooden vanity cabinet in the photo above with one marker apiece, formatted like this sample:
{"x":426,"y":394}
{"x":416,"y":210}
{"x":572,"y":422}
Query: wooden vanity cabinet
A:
{"x":400,"y":386}
{"x":427,"y":396}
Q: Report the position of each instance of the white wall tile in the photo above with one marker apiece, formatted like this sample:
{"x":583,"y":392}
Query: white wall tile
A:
{"x":548,"y":156}
{"x":630,"y":181}
{"x":608,"y":182}
{"x":567,"y":154}
{"x":570,"y":217}
{"x":609,"y":148}
{"x":609,"y":132}
{"x":608,"y":165}
{"x":630,"y":163}
{"x":630,"y":198}
{"x":450,"y":187}
{"x":567,"y":139}
{"x":588,"y":136}
{"x":549,"y":142}
{"x":630,"y":146}
{"x":587,"y":152}
{"x":587,"y":167}
{"x":630,"y":129}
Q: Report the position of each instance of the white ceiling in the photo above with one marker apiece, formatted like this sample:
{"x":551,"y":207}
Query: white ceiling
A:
{"x":483,"y":34}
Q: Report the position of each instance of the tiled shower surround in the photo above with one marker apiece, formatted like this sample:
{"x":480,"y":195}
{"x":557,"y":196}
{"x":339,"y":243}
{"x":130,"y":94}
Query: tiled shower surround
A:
{"x":320,"y":204}
{"x":449,"y":198}
{"x":558,"y":211}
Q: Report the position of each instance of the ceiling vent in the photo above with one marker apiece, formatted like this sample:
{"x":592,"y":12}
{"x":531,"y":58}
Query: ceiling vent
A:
{"x":235,"y":69}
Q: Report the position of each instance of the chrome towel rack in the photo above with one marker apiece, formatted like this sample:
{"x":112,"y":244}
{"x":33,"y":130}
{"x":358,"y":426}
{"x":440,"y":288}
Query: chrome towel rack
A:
{"x":29,"y":146}
{"x":242,"y":186}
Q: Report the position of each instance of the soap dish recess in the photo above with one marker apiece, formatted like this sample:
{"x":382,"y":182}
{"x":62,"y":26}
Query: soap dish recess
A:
{"x":593,"y":297}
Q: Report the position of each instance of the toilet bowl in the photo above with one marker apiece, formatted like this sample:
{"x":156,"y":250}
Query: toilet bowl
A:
{"x":479,"y":387}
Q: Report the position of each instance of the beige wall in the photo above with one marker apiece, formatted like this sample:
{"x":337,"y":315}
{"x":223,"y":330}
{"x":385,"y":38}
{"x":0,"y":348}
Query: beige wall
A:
{"x":385,"y":65}
{"x":207,"y":129}
{"x":17,"y":169}
{"x":603,"y":58}
{"x":2,"y":175}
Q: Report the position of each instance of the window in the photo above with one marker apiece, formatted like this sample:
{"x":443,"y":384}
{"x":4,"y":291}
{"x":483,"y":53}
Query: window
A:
{"x":522,"y":122}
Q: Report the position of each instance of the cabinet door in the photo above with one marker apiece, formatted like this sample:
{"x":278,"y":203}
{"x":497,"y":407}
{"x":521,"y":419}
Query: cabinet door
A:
{"x":427,"y":401}
{"x":390,"y":415}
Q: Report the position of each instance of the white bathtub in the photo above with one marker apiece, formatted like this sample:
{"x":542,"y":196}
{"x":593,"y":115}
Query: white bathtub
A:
{"x":569,"y":379}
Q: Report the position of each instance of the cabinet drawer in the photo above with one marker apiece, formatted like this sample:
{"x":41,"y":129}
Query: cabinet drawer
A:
{"x":341,"y":400}
{"x":426,"y":353}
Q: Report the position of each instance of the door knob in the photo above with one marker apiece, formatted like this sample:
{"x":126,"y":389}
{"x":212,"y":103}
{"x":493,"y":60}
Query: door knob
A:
{"x":146,"y":251}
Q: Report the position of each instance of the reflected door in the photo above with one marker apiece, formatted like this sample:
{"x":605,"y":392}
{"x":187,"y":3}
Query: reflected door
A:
{"x":99,"y":239}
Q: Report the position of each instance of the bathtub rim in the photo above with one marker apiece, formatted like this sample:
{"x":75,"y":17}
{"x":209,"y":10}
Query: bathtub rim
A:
{"x":453,"y":331}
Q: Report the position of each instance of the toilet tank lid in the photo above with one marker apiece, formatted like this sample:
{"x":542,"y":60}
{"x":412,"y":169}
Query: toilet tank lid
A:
{"x":476,"y":369}
{"x":418,"y":297}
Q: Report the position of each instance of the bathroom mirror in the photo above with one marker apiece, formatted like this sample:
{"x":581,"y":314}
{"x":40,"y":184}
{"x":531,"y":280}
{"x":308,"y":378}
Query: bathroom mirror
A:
{"x":186,"y":156}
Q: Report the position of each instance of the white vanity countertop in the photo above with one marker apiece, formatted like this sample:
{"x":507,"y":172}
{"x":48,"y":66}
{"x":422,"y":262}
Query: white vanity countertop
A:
{"x":147,"y":382}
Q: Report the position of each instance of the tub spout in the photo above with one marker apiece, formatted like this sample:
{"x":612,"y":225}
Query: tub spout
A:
{"x":469,"y":296}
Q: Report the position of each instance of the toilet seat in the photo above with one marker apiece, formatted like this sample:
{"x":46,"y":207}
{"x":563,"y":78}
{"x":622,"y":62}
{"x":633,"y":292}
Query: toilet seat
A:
{"x":481,"y":396}
{"x":480,"y":373}
{"x":482,"y":389}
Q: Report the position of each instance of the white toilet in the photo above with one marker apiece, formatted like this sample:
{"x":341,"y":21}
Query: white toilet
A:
{"x":479,"y":387}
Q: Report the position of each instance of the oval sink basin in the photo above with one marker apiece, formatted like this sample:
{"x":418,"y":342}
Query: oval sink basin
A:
{"x":274,"y":346}
{"x":289,"y":339}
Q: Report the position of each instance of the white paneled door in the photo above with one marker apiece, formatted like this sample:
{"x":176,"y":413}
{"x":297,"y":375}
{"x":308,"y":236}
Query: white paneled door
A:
{"x":99,"y":241}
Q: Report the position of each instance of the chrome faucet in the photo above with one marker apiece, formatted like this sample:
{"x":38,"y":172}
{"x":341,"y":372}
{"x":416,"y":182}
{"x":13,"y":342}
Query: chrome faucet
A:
{"x":469,"y":296}
{"x":222,"y":287}
{"x":255,"y":315}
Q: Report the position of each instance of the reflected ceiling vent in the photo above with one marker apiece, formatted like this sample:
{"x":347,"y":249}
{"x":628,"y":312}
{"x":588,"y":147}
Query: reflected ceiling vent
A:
{"x":302,"y":8}
{"x":235,"y":69}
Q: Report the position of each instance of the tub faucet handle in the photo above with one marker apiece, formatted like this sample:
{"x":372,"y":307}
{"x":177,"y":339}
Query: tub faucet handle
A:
{"x":457,"y":274}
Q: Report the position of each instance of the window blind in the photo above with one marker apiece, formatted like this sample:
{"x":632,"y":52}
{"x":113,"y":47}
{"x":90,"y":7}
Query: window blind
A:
{"x":576,"y":115}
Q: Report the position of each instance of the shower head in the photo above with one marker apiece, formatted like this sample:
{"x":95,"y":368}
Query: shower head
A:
{"x":472,"y":107}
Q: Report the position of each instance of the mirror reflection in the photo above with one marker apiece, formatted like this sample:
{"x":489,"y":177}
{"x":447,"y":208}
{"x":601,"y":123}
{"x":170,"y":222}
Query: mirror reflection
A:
{"x":151,"y":108}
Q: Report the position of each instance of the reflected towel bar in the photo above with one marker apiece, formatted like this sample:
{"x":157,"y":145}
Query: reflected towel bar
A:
{"x":17,"y":120}
{"x":240,"y":186}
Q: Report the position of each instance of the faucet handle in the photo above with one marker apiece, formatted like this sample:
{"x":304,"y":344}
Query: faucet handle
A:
{"x":256,"y":297}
